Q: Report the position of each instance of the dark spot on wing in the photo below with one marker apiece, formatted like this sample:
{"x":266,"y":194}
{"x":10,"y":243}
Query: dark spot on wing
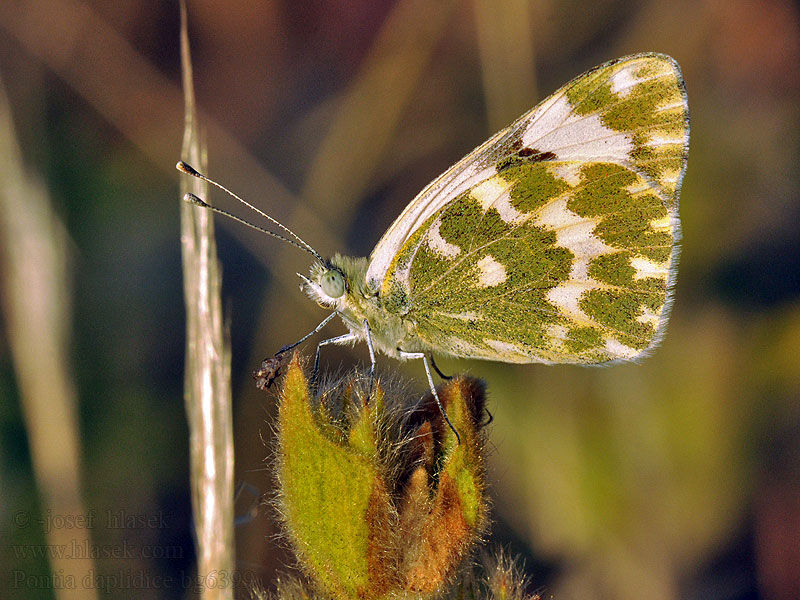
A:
{"x":534,"y":155}
{"x":524,"y":155}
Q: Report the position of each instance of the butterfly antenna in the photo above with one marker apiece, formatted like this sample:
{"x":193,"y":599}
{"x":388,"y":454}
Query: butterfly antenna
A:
{"x":192,"y":199}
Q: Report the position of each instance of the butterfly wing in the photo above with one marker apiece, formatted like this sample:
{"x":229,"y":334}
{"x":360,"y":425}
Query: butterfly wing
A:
{"x":556,"y":240}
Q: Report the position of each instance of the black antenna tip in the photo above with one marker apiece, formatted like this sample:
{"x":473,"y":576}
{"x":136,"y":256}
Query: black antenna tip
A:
{"x":186,"y":168}
{"x":192,"y":199}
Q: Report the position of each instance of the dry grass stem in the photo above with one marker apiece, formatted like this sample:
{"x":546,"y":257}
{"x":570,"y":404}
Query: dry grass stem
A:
{"x":37,"y":311}
{"x":207,"y":378}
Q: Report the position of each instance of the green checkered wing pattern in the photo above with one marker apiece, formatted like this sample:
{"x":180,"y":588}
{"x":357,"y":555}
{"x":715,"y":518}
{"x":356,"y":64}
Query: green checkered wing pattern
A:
{"x":556,"y":240}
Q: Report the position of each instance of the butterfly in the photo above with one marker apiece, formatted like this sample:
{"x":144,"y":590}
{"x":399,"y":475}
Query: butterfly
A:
{"x":555,"y":241}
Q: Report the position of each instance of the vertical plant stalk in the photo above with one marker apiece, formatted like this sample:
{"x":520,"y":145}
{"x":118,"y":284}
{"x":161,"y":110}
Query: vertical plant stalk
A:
{"x":207,"y":380}
{"x":37,"y":309}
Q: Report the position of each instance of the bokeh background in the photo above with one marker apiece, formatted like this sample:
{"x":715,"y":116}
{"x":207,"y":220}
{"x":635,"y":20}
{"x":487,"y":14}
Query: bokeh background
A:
{"x":676,"y":478}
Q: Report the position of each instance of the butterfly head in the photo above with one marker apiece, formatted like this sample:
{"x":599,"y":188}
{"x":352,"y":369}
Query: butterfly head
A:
{"x":331,"y":282}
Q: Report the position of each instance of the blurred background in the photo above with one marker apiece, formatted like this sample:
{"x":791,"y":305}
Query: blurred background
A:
{"x":676,"y":478}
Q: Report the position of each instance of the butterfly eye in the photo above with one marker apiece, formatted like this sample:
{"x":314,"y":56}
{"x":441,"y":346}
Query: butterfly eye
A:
{"x":332,"y":283}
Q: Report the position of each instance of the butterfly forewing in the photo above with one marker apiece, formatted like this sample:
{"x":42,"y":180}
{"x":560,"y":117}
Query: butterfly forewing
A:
{"x":554,"y":241}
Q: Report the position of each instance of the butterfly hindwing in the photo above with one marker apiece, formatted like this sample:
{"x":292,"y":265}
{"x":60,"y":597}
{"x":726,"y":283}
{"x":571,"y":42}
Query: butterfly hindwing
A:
{"x":554,"y":241}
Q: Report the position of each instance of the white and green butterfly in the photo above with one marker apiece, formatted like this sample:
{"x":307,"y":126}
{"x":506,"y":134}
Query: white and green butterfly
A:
{"x":555,"y":241}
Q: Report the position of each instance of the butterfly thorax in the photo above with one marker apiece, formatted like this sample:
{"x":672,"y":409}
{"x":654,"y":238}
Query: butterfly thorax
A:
{"x":358,"y":302}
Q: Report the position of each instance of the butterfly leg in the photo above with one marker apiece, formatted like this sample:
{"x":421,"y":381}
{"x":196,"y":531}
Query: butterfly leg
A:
{"x":270,"y":367}
{"x":449,"y":377}
{"x":433,"y":388}
{"x":341,"y":339}
{"x":308,"y":335}
{"x":371,"y":349}
{"x":438,"y":372}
